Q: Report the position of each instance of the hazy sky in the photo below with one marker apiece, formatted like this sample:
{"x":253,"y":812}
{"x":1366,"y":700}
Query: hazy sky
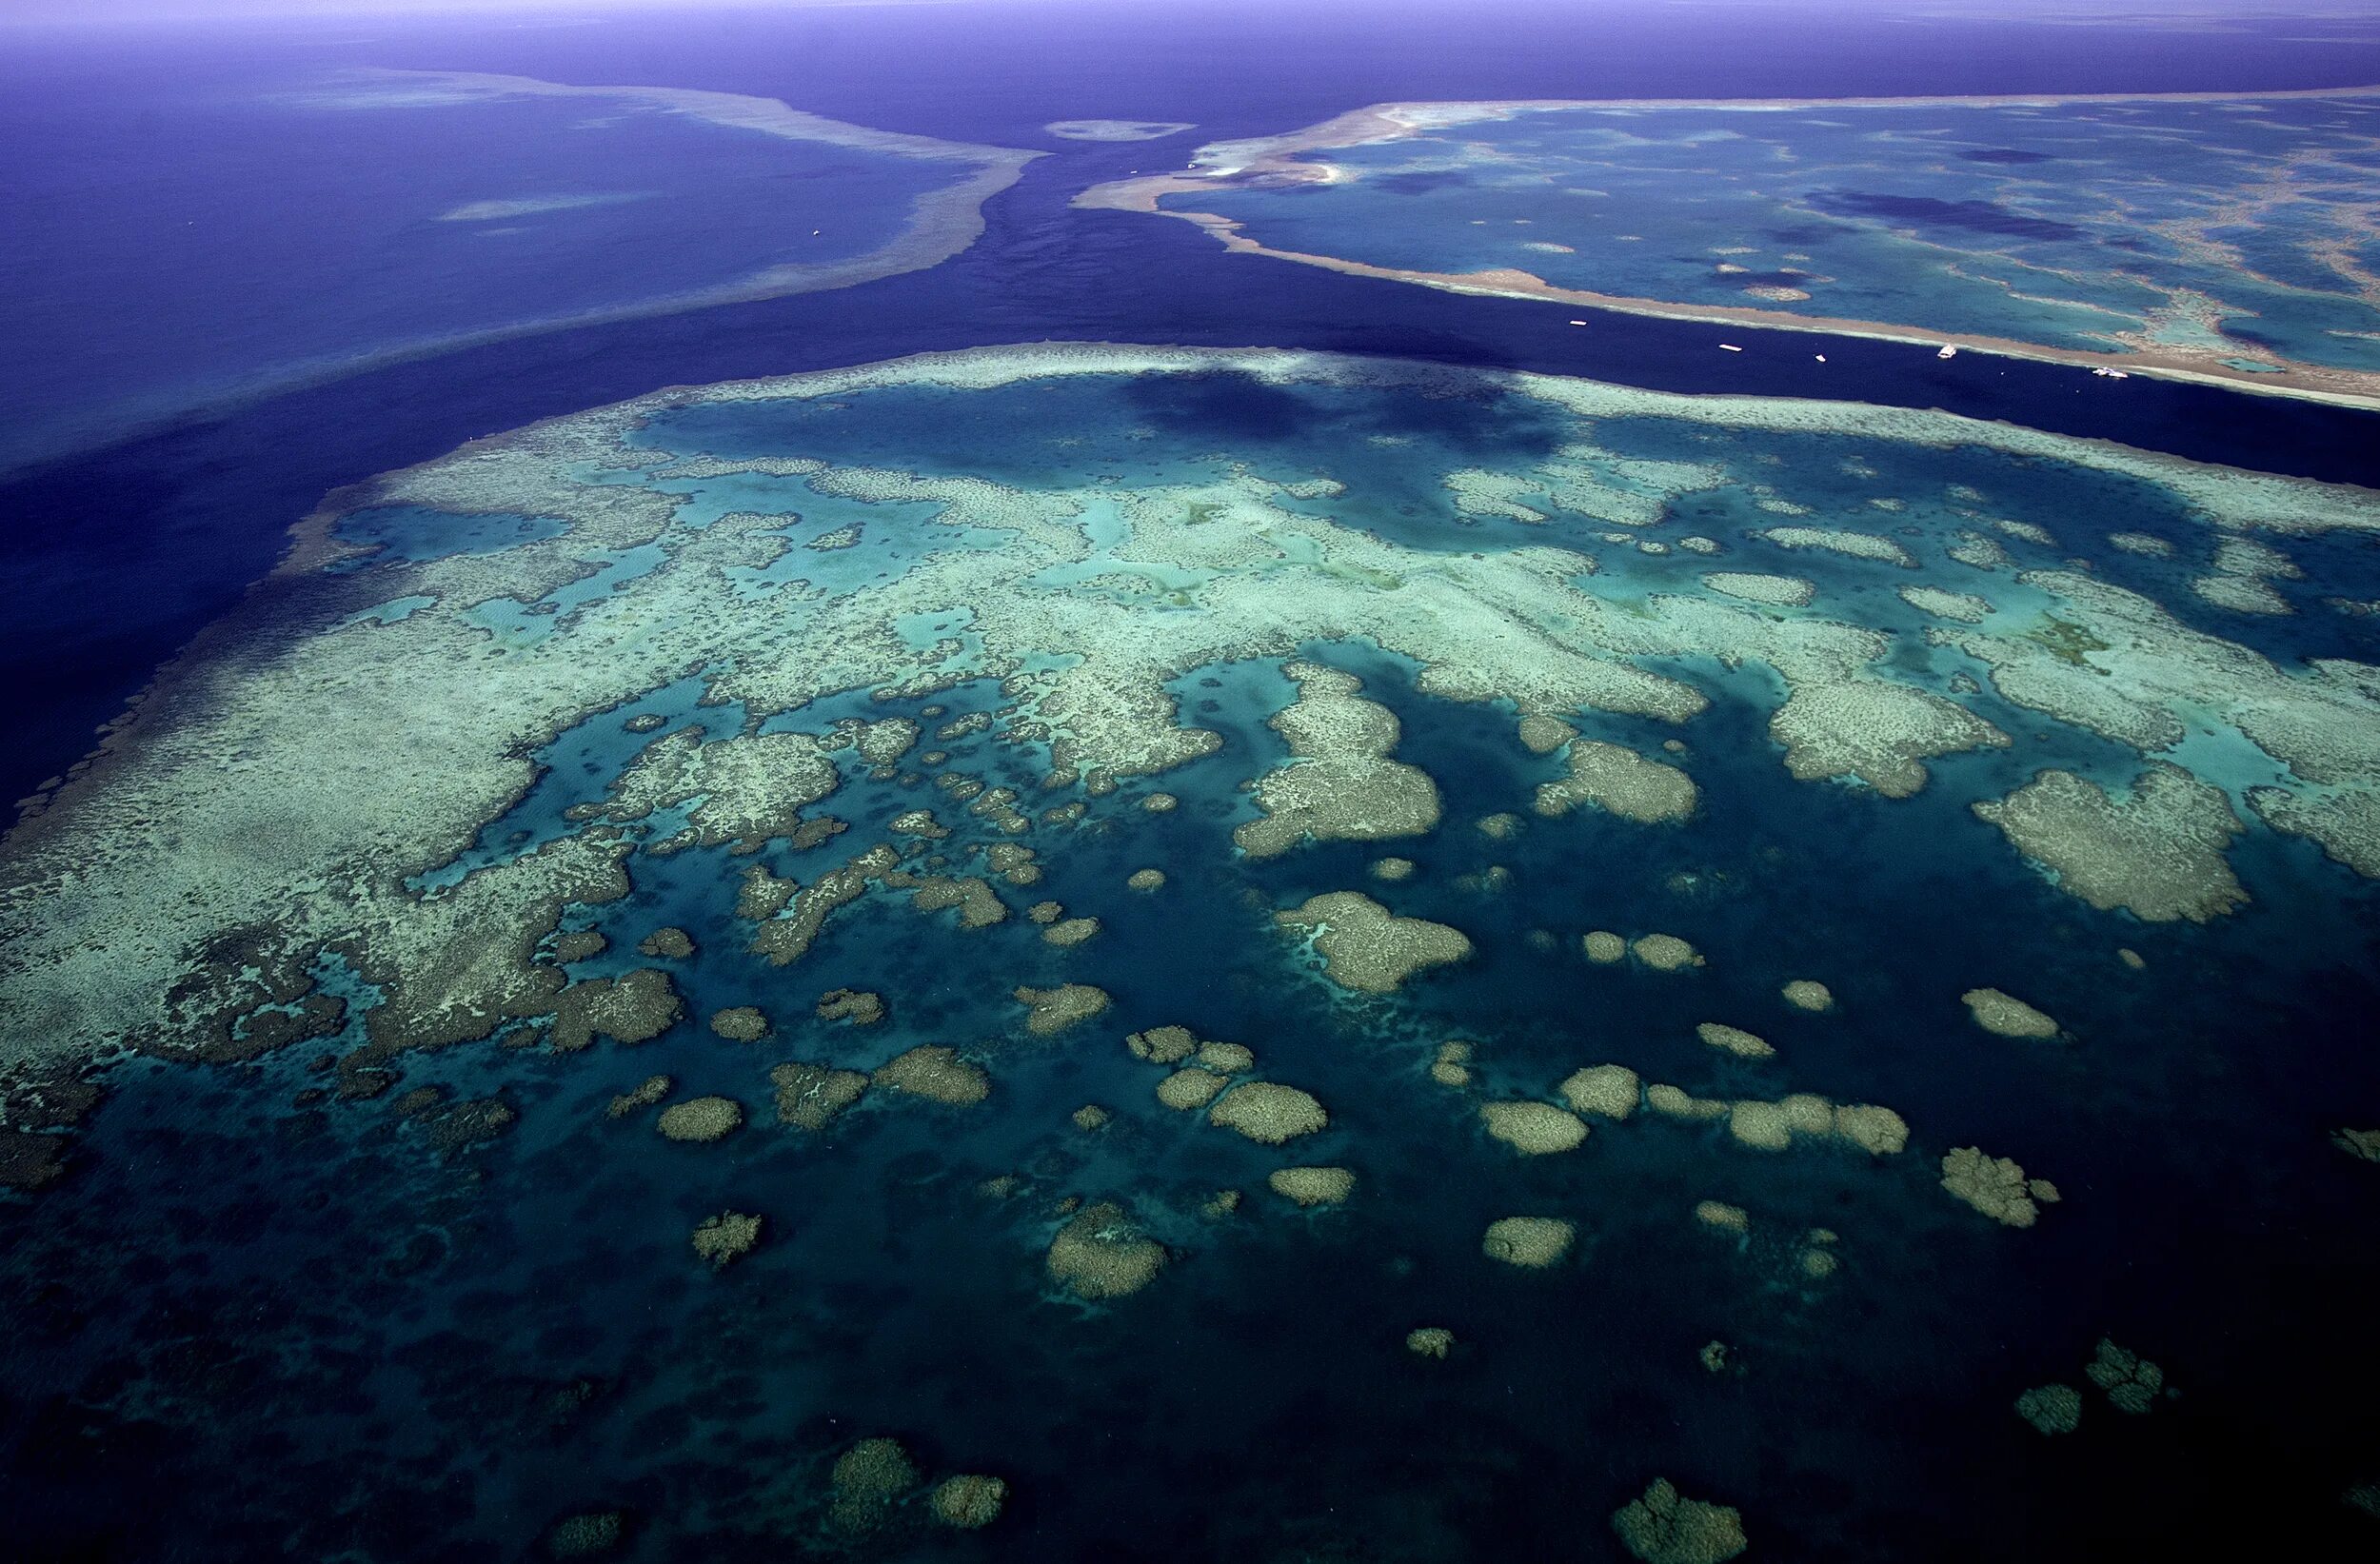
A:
{"x":65,"y":11}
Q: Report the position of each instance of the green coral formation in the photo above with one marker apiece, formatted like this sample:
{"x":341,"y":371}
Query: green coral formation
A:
{"x":2158,"y":854}
{"x":1620,"y":782}
{"x":848,"y":1005}
{"x":1269,"y":1113}
{"x":1665,"y":953}
{"x":1602,"y":1090}
{"x":1531,"y":1242}
{"x":868,"y":1480}
{"x":1603,"y":947}
{"x":1366,"y":947}
{"x":1430,"y":1341}
{"x":1101,"y":1254}
{"x":1339,"y":783}
{"x":968,"y":1502}
{"x":1532,"y":1129}
{"x":1808,"y":994}
{"x":2053,"y":1409}
{"x":1994,"y":1186}
{"x":1162,"y":1044}
{"x":701,"y":1118}
{"x":2132,"y":1383}
{"x":651,"y":1090}
{"x":809,"y":1095}
{"x":741,"y":1023}
{"x":2006,"y":1015}
{"x":1050,"y":1011}
{"x":1735,"y":1039}
{"x":726,"y":1238}
{"x":937,"y":1074}
{"x":1310,"y":1186}
{"x":1662,"y":1526}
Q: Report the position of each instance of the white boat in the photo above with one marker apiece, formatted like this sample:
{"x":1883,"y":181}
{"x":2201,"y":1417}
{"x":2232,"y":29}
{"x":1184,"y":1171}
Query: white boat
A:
{"x":1729,"y":347}
{"x":1948,"y":351}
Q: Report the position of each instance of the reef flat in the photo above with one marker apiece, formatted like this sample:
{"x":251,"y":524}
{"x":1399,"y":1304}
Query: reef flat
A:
{"x":2217,"y":237}
{"x":763,"y":956}
{"x":668,"y":559}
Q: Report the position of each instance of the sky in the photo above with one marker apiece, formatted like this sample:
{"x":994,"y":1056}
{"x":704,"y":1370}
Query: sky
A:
{"x":55,"y":11}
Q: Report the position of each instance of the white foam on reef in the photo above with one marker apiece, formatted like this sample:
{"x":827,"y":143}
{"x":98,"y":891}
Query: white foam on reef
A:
{"x":283,"y":785}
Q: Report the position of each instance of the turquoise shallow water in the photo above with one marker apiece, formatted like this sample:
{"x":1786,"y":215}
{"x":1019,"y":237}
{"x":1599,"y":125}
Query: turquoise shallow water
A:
{"x":467,"y":1341}
{"x":2064,"y":223}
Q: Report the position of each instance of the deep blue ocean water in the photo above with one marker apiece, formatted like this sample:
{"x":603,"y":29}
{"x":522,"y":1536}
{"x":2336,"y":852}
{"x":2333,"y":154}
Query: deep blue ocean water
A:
{"x":425,"y":1357}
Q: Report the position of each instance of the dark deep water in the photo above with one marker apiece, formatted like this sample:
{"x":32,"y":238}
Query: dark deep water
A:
{"x":243,"y":1328}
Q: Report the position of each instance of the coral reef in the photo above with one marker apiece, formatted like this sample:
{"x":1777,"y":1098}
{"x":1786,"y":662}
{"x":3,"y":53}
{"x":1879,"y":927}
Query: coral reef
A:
{"x":650,"y":1091}
{"x":1808,"y":994}
{"x":1531,"y":1242}
{"x":809,"y":1095}
{"x":1620,"y":782}
{"x":2132,"y":1383}
{"x":1339,"y":783}
{"x":1162,"y":1044}
{"x":2159,"y":854}
{"x":1606,"y":1091}
{"x":936,"y":1072}
{"x":867,"y":1480}
{"x":1735,"y":1039}
{"x":671,"y":943}
{"x":1772,"y":591}
{"x":1430,"y":1341}
{"x":1603,"y":947}
{"x":2004,"y":1015}
{"x":1366,"y":947}
{"x":1663,"y":1527}
{"x":1857,"y":546}
{"x":1665,"y":953}
{"x":1070,"y":932}
{"x":968,"y":1501}
{"x":1994,"y":1186}
{"x":701,"y":1118}
{"x":2053,"y":1409}
{"x":1313,"y":1186}
{"x":586,"y":1534}
{"x":850,"y":1005}
{"x":1532,"y":1129}
{"x":1719,"y":1214}
{"x":1050,"y":1011}
{"x":1187,"y":1089}
{"x":1100,"y":1253}
{"x":741,"y":1023}
{"x":726,"y":1238}
{"x":1268,"y":1113}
